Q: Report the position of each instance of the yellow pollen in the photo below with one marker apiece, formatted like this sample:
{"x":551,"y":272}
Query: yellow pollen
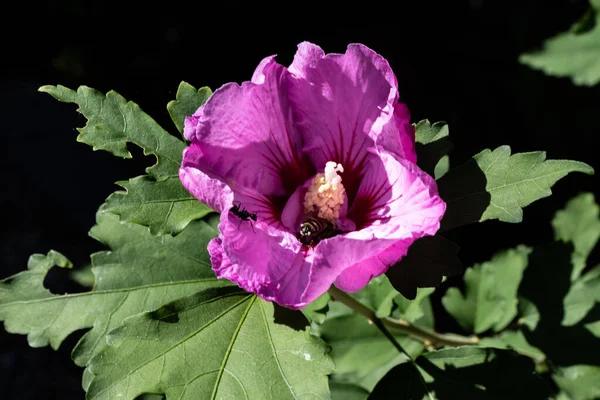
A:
{"x":325,"y":195}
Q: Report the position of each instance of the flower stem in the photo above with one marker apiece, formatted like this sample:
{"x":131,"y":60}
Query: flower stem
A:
{"x":428,"y":337}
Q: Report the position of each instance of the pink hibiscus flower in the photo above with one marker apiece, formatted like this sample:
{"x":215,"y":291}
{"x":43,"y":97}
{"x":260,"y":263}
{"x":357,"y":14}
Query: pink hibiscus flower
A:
{"x":322,"y":155}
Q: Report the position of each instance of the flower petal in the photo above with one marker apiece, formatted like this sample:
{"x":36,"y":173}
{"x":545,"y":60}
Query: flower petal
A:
{"x":212,"y":192}
{"x":396,"y":204}
{"x":251,"y":146}
{"x":222,"y":266}
{"x":357,"y":276}
{"x":246,"y":136}
{"x":262,"y":260}
{"x":342,"y":103}
{"x":293,"y":212}
{"x":398,"y":135}
{"x":270,"y":262}
{"x":395,"y":196}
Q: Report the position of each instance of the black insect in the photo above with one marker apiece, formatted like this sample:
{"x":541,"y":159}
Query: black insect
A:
{"x":242,"y":214}
{"x":313,"y":230}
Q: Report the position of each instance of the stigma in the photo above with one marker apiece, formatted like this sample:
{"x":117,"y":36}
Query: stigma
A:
{"x":325,"y":195}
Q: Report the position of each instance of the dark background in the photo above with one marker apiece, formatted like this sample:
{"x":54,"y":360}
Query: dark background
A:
{"x":455,"y":61}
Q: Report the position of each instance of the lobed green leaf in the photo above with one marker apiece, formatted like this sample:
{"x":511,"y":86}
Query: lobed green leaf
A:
{"x":216,"y":344}
{"x":140,"y":273}
{"x":442,"y":167}
{"x":164,"y":206}
{"x":84,"y":276}
{"x":379,"y":294}
{"x":114,"y":121}
{"x":580,"y":382}
{"x":157,"y":200}
{"x":513,"y":340}
{"x":426,"y":132}
{"x":362,"y":355}
{"x":488,"y":304}
{"x":579,"y":223}
{"x":466,"y":372}
{"x":432,"y":147}
{"x":187,"y":101}
{"x":347,"y":391}
{"x":414,"y":310}
{"x":317,"y":310}
{"x":582,"y":296}
{"x":518,"y":180}
{"x":529,"y":314}
{"x":497,"y":185}
{"x":546,"y":284}
{"x":574,"y":54}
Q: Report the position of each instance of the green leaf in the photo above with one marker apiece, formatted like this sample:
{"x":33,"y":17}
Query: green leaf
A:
{"x":379,"y":294}
{"x":491,"y":292}
{"x":513,"y":340}
{"x":587,"y":22}
{"x":561,"y":396}
{"x":165,"y":206}
{"x":518,"y":180}
{"x":464,"y":191}
{"x":432,"y":146}
{"x":158,"y":200}
{"x":529,"y":314}
{"x":84,"y":276}
{"x":187,"y":101}
{"x":464,"y":373}
{"x":546,"y":283}
{"x":347,"y":391}
{"x":426,"y":132}
{"x":362,"y":355}
{"x":413,"y":310}
{"x":216,"y":344}
{"x":140,"y":273}
{"x":497,"y":185}
{"x":317,"y":310}
{"x":579,"y":223}
{"x":114,"y":121}
{"x":593,"y":328}
{"x":574,"y":54}
{"x":151,"y":397}
{"x":442,"y":167}
{"x":582,"y":296}
{"x":580,"y":382}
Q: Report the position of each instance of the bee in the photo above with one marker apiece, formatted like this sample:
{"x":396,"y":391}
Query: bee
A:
{"x":242,"y":214}
{"x":313,"y":230}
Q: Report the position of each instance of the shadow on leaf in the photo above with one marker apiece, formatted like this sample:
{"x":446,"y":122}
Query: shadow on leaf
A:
{"x":465,"y":373}
{"x":150,"y":396}
{"x":428,"y":260}
{"x":545,"y":283}
{"x":464,"y":191}
{"x":167,"y":313}
{"x":430,"y":154}
{"x":291,"y":318}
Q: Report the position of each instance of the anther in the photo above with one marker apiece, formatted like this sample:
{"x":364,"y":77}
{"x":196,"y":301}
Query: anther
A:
{"x":325,"y":195}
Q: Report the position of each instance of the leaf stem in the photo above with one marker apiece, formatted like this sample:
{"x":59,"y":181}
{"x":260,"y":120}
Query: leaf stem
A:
{"x":362,"y":309}
{"x":428,"y":337}
{"x":379,"y":323}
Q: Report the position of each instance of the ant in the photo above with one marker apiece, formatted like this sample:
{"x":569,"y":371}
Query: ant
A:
{"x":242,"y":214}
